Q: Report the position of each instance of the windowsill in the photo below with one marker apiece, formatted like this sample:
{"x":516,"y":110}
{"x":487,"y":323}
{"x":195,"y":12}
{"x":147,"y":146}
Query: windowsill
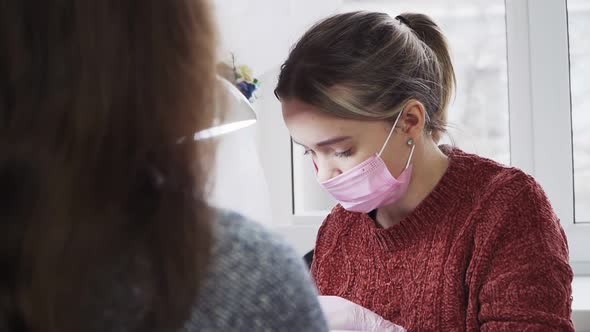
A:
{"x":581,"y":303}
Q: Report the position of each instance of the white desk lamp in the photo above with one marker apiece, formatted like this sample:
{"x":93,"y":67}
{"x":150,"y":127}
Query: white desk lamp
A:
{"x":239,"y":182}
{"x":237,"y":112}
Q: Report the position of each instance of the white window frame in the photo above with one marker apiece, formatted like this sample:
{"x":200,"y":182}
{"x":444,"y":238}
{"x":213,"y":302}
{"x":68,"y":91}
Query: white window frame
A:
{"x":540,"y":110}
{"x":540,"y":126}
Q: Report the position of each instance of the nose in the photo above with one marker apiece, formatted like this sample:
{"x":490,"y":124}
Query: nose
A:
{"x":324,"y":171}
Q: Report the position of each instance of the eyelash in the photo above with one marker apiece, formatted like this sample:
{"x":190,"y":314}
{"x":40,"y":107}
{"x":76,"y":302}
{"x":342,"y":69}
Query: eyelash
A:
{"x":343,"y":154}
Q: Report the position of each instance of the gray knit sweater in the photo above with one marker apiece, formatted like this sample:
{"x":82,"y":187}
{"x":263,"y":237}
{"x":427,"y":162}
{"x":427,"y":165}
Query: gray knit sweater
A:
{"x":255,"y":283}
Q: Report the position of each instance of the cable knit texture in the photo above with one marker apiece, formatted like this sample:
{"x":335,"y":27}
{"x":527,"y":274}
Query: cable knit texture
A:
{"x":255,"y":283}
{"x":483,"y":252}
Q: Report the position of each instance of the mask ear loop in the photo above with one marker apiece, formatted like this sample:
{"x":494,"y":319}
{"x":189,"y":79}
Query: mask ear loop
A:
{"x":391,"y":132}
{"x":410,"y":142}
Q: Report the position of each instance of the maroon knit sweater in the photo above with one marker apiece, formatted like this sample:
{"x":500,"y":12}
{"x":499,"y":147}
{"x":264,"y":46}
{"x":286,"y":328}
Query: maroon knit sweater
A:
{"x":483,"y":252}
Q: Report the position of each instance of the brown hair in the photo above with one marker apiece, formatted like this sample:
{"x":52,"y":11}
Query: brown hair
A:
{"x":366,"y":65}
{"x":103,"y":219}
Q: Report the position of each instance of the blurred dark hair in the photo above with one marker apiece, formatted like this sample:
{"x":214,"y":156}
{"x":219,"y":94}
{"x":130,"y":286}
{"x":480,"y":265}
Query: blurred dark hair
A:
{"x":367,"y":65}
{"x":97,"y":199}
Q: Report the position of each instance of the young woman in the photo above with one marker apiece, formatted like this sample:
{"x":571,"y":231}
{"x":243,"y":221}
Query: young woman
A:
{"x":103,"y":220}
{"x":428,"y":237}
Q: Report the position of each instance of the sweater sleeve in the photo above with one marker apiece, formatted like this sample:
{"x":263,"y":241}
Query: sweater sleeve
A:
{"x":255,"y":283}
{"x":523,"y":279}
{"x":292,"y":297}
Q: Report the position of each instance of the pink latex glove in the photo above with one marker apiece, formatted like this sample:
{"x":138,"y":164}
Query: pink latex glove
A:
{"x":344,"y":315}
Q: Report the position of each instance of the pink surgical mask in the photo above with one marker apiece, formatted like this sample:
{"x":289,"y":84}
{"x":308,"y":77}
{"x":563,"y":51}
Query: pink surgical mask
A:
{"x":369,"y":185}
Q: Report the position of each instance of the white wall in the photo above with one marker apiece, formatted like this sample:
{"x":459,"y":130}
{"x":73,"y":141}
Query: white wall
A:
{"x":239,"y":182}
{"x":261,"y":32}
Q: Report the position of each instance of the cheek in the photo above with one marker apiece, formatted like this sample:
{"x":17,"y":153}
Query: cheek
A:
{"x":333,"y":163}
{"x":352,"y":161}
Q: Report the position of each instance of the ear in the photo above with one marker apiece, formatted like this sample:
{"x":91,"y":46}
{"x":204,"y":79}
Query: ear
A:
{"x":413,"y":120}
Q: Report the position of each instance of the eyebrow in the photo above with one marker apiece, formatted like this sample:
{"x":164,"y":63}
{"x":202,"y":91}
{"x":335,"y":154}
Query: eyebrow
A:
{"x":329,"y":141}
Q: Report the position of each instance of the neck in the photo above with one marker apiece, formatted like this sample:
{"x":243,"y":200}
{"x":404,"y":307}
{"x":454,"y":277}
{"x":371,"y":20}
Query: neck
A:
{"x":429,"y":166}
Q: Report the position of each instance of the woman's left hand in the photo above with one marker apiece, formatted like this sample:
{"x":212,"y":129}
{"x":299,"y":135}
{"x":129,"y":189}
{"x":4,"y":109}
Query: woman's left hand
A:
{"x":344,"y":315}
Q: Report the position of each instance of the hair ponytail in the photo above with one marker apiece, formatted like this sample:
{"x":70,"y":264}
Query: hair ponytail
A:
{"x":430,"y":34}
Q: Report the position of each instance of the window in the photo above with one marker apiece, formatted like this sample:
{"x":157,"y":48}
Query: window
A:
{"x":523,"y":98}
{"x":478,"y":116}
{"x":579,"y":30}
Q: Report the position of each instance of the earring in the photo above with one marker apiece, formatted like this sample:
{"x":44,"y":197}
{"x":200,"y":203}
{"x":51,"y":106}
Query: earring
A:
{"x":410,"y":142}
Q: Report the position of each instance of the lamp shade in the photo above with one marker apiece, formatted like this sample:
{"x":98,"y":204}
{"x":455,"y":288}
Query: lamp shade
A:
{"x":233,"y":111}
{"x":237,"y":180}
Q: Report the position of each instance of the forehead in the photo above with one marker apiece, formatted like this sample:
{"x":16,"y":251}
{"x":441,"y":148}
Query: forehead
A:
{"x":296,"y":110}
{"x":304,"y":119}
{"x":308,"y":125}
